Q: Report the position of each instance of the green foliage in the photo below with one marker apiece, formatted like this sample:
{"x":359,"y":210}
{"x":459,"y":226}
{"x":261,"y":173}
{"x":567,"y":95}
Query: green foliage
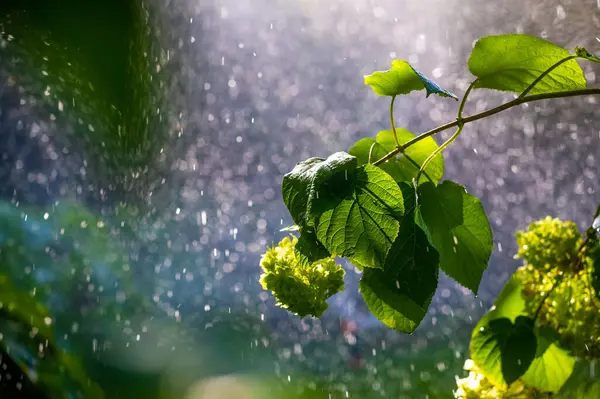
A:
{"x":401,"y":169}
{"x":552,"y":365}
{"x":502,"y":349}
{"x":513,"y":62}
{"x":459,"y":229}
{"x":353,"y":205}
{"x":400,"y":294}
{"x":402,"y":78}
{"x":557,"y":279}
{"x":300,"y":287}
{"x":363,"y":225}
{"x":27,"y":336}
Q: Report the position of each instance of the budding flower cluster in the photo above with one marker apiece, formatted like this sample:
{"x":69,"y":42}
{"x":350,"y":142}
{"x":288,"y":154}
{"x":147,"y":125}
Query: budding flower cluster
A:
{"x":300,"y":287}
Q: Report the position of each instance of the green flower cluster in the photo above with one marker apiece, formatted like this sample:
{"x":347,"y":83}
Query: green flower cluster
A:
{"x":477,"y":386}
{"x":549,"y":243}
{"x":300,"y":287}
{"x":557,"y":279}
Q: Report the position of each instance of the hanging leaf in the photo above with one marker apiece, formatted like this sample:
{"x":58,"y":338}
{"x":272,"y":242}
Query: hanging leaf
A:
{"x":402,"y":78}
{"x":399,"y":167}
{"x":364,"y":223}
{"x":503,"y":350}
{"x":316,"y":185}
{"x":552,"y":365}
{"x":459,"y":230}
{"x":400,"y":294}
{"x":512,"y":62}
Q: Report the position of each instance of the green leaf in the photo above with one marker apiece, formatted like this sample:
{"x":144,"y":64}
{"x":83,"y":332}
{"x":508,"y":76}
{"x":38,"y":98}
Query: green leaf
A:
{"x":503,"y":350}
{"x":510,"y":302}
{"x":400,"y":294}
{"x":316,"y":185}
{"x":309,"y":249}
{"x":402,"y":78}
{"x":583,"y":53}
{"x":459,"y":230}
{"x":364,"y":224}
{"x":399,"y":167}
{"x":512,"y":62}
{"x":552,"y":365}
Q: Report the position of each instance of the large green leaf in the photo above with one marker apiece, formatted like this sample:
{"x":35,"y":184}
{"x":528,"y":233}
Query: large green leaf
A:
{"x":552,"y":365}
{"x":402,"y":78}
{"x":510,"y":303}
{"x":512,"y":62}
{"x":317,"y":184}
{"x":503,"y":350}
{"x":400,"y":168}
{"x":400,"y":294}
{"x":364,"y":223}
{"x":459,"y":230}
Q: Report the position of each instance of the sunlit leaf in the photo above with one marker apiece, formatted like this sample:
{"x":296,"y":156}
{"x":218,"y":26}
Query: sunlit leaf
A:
{"x":364,"y":223}
{"x":459,"y":230}
{"x":316,"y":185}
{"x":512,"y":62}
{"x":399,"y":167}
{"x":552,"y":365}
{"x":503,"y":350}
{"x":400,"y":294}
{"x":402,"y":78}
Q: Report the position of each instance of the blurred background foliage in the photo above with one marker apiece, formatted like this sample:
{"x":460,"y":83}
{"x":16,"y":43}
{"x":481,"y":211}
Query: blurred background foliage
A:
{"x":78,"y":317}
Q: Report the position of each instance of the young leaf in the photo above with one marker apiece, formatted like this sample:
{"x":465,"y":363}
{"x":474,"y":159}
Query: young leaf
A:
{"x":503,"y":350}
{"x":459,"y":229}
{"x":402,"y":78}
{"x":552,"y":365}
{"x":316,"y":184}
{"x":400,"y":294}
{"x":400,"y":168}
{"x":512,"y":62}
{"x":583,"y":53}
{"x":364,"y":224}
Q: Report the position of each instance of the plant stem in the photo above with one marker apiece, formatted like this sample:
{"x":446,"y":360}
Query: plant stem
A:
{"x":454,"y":136}
{"x":545,"y":73}
{"x":490,"y":112}
{"x":398,"y":146}
{"x":392,"y":121}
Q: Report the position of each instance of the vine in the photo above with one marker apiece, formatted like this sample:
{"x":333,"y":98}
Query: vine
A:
{"x":383,"y":206}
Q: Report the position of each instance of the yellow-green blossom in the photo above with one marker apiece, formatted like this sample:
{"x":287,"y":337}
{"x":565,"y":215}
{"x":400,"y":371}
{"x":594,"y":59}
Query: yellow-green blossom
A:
{"x":300,"y":287}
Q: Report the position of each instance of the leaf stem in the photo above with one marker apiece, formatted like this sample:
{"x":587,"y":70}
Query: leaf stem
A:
{"x":490,"y":112}
{"x":392,"y":121}
{"x":544,"y":74}
{"x":454,"y":136}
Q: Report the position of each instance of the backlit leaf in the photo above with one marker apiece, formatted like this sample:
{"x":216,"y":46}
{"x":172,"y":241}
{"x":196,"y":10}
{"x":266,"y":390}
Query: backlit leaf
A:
{"x":503,"y":350}
{"x":399,"y":167}
{"x":400,"y":294}
{"x":512,"y":62}
{"x":459,"y":230}
{"x":402,"y":78}
{"x":364,"y":223}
